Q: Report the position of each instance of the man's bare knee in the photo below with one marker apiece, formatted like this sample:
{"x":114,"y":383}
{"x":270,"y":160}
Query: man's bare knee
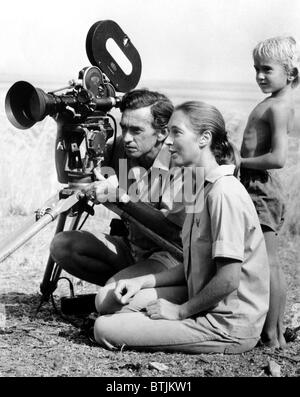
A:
{"x":71,"y":242}
{"x":62,"y":245}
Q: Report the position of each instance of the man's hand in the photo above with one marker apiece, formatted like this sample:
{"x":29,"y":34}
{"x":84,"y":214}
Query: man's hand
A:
{"x":103,"y":189}
{"x":126,"y":289}
{"x":163,"y":309}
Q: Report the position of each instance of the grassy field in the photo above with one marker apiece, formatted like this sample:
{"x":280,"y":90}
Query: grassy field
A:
{"x":49,"y":345}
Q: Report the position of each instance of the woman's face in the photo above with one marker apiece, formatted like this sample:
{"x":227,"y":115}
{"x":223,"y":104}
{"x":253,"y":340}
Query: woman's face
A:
{"x":183,"y":142}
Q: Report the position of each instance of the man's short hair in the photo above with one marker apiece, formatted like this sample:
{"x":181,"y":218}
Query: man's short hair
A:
{"x":160,"y":106}
{"x":282,"y":49}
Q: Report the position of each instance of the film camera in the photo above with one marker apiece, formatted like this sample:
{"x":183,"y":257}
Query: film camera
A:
{"x":83,"y":129}
{"x":83,"y":124}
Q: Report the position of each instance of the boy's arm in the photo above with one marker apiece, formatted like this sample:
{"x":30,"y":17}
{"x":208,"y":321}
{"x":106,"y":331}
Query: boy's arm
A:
{"x":278,"y":120}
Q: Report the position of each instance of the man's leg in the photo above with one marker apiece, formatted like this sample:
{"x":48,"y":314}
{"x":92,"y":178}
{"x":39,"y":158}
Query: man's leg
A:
{"x":84,"y":256}
{"x":273,"y":331}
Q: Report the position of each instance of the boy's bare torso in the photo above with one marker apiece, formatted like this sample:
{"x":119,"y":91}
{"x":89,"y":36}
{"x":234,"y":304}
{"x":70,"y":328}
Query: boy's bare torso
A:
{"x":257,"y":139}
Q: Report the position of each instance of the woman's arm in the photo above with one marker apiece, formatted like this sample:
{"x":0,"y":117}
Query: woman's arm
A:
{"x":125,"y":289}
{"x":225,"y":281}
{"x":221,"y":285}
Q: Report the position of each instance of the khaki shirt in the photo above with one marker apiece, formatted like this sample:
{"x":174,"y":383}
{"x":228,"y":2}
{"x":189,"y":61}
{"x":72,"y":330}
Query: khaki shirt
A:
{"x":159,"y":186}
{"x":227,"y":226}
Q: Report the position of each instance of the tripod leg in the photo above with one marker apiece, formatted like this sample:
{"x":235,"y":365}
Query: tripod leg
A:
{"x":46,"y":286}
{"x":53,"y":271}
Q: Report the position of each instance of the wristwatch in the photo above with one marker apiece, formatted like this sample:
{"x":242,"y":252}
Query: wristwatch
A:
{"x":124,"y":198}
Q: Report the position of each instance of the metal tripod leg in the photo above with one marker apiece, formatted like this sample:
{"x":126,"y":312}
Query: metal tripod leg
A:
{"x":53,"y":270}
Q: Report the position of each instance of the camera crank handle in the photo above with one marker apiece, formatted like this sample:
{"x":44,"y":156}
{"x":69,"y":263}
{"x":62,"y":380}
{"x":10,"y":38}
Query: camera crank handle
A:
{"x":72,"y":84}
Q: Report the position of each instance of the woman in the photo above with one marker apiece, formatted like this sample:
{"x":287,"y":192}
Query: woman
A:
{"x":217,"y":300}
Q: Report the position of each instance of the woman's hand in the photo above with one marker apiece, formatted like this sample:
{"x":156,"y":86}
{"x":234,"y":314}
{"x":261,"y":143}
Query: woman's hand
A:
{"x":126,"y":289}
{"x":163,"y":309}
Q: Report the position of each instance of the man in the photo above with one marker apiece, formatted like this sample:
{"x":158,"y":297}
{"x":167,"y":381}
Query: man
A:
{"x":145,"y":115}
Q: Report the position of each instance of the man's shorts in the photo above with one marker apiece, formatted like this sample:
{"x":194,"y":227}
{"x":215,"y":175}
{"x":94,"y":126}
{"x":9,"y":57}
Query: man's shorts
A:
{"x":131,"y":255}
{"x":165,"y":258}
{"x":266,"y":192}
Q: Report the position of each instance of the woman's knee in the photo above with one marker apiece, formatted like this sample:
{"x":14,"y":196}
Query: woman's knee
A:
{"x":104,"y":300}
{"x":103,"y":329}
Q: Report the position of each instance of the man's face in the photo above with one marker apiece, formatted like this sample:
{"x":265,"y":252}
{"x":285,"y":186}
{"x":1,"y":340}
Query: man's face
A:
{"x":138,"y":134}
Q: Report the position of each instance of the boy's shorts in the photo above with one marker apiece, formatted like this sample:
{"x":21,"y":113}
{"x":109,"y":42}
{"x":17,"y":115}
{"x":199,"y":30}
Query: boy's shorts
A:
{"x":266,"y":192}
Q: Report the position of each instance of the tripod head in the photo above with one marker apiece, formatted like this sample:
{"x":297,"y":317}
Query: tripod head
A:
{"x":81,"y":109}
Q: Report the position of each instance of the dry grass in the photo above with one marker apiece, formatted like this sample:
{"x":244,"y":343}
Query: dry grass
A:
{"x":49,"y":345}
{"x":27,"y":168}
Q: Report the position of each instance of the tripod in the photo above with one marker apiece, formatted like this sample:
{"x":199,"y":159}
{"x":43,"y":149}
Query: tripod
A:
{"x":74,"y":203}
{"x":53,"y":270}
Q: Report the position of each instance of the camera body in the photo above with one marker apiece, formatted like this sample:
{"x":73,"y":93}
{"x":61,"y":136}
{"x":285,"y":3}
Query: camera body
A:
{"x":81,"y":109}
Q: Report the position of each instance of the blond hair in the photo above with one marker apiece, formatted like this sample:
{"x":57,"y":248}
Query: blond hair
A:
{"x":282,"y":49}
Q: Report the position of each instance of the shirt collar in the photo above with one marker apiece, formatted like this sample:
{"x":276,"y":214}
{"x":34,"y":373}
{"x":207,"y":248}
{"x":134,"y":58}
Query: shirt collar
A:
{"x":162,"y":160}
{"x":221,"y":170}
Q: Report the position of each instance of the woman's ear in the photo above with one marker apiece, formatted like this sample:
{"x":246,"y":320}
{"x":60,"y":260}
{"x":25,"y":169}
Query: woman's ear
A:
{"x":162,"y":134}
{"x":205,"y":138}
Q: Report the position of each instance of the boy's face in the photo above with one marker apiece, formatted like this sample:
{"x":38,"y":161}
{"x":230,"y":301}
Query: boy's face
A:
{"x":271,"y":76}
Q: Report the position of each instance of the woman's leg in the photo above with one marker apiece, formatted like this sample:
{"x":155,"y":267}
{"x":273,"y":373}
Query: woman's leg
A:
{"x":131,"y":327}
{"x":139,"y":332}
{"x":107,"y":304}
{"x":105,"y":301}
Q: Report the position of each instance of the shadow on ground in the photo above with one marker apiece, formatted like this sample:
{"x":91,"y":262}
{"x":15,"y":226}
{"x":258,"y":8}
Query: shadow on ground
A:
{"x":20,"y":311}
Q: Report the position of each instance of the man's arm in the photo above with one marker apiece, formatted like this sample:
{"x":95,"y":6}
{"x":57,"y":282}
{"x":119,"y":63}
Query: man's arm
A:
{"x":153,"y":219}
{"x":278,"y":120}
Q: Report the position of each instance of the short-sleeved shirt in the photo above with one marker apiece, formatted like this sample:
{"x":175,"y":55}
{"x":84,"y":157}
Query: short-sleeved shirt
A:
{"x":160,"y":186}
{"x":227,"y":226}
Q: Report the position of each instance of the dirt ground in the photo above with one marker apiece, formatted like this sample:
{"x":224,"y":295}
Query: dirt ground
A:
{"x":49,"y":345}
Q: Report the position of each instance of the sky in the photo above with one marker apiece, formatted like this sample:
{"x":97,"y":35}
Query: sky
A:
{"x":182,"y":40}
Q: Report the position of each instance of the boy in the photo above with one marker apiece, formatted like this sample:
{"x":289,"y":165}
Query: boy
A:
{"x":264,"y":148}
